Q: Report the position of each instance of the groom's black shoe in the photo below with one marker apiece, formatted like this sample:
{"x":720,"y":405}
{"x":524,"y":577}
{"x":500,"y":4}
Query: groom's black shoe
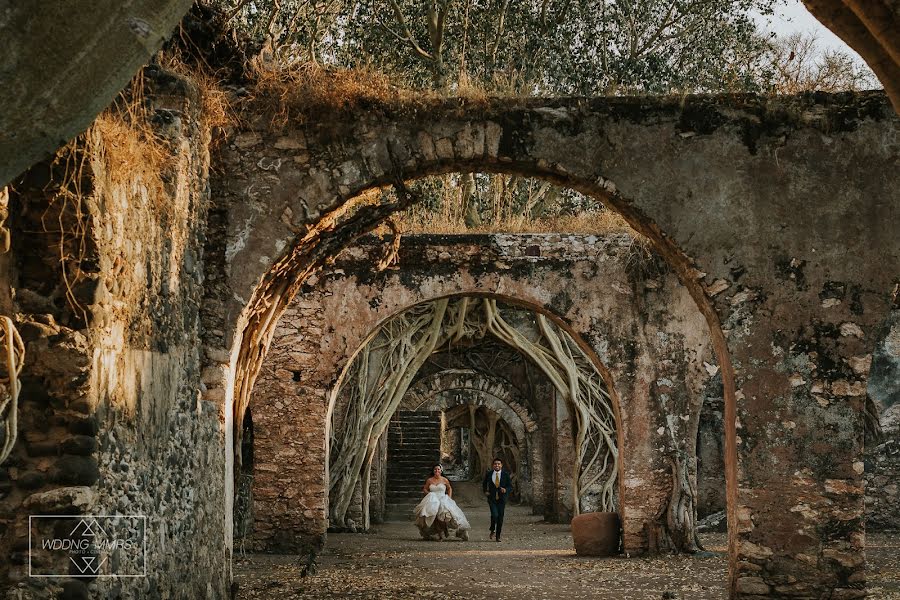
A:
{"x":491,"y":536}
{"x":498,"y":539}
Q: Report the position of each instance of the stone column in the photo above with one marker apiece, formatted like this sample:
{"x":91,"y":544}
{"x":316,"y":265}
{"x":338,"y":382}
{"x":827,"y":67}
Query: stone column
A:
{"x":799,"y":528}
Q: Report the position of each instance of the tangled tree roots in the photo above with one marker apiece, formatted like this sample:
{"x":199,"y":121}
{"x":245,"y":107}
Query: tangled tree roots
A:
{"x":15,"y":356}
{"x":380,"y":375}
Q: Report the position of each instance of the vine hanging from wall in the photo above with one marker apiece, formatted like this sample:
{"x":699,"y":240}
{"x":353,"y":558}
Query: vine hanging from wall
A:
{"x":13,"y":357}
{"x":385,"y":366}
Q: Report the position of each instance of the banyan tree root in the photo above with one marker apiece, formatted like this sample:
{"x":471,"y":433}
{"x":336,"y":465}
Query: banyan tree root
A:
{"x":4,"y":214}
{"x":675,"y":527}
{"x":14,"y":356}
{"x":382,"y":371}
{"x":392,"y":252}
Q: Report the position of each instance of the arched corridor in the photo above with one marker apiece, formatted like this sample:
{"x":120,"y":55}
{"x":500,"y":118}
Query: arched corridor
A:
{"x":616,"y":327}
{"x":254,"y":315}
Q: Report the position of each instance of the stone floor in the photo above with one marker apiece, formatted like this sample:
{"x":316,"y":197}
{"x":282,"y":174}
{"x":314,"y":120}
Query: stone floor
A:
{"x":535,"y":560}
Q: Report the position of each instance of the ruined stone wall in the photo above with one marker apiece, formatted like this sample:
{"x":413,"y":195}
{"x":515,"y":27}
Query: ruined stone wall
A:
{"x":882,"y":458}
{"x":111,"y":421}
{"x":775,"y":212}
{"x":289,"y":485}
{"x":630,"y":311}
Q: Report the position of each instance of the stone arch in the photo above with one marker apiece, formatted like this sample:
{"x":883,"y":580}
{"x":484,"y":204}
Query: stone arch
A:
{"x":590,"y":354}
{"x":650,"y":152}
{"x":604,"y":307}
{"x":435,"y":393}
{"x":426,"y":393}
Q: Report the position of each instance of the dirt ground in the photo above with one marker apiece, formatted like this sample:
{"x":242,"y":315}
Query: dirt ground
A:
{"x":534,"y":560}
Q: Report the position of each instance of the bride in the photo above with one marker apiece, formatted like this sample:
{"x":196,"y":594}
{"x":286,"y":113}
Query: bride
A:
{"x":437,"y":513}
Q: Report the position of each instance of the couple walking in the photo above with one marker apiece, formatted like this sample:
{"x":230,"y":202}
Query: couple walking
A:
{"x":437,"y":513}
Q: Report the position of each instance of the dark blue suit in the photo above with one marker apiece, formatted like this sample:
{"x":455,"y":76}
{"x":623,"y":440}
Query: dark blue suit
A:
{"x":496,"y":498}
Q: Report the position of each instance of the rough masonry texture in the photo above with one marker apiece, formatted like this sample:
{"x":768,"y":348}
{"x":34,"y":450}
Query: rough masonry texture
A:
{"x":776,"y":214}
{"x":615,"y":296}
{"x":110,"y":417}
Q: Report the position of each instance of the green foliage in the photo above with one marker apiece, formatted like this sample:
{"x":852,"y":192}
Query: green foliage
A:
{"x":526,"y":47}
{"x":536,"y":48}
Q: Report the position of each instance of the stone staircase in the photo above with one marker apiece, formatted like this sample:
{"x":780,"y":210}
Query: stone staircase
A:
{"x":414,"y":446}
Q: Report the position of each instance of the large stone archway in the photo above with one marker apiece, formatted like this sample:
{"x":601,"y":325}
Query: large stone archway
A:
{"x":638,"y":320}
{"x":729,"y":192}
{"x":786,"y":205}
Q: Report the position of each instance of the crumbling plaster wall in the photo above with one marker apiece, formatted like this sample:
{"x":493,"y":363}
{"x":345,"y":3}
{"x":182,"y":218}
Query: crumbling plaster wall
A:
{"x":621,"y":301}
{"x":776,"y":213}
{"x":111,"y":420}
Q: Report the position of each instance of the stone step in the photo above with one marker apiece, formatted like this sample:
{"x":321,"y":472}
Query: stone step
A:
{"x":407,"y":485}
{"x":421,"y":443}
{"x":414,"y":441}
{"x":399,"y":511}
{"x":411,"y":415}
{"x":424,"y":445}
{"x":413,"y":457}
{"x":402,"y":472}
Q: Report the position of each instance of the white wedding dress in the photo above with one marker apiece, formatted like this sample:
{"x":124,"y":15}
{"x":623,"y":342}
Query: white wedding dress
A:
{"x":438,"y":506}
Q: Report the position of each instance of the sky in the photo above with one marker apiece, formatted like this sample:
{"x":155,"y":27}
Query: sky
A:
{"x":791,"y":16}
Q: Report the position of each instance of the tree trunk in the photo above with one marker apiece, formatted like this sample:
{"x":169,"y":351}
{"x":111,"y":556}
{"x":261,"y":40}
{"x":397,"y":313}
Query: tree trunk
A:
{"x":676,"y":525}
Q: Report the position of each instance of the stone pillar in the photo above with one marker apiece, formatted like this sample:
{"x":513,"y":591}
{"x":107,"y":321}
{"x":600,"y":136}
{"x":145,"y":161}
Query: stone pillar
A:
{"x":799,"y":527}
{"x":563,"y":461}
{"x":289,"y":486}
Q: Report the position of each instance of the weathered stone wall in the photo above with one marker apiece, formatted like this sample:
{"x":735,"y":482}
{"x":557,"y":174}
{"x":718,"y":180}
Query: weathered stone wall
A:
{"x":622,"y":302}
{"x":289,"y":487}
{"x":776,"y":214}
{"x":882,"y":461}
{"x":109,"y":40}
{"x":111,"y":421}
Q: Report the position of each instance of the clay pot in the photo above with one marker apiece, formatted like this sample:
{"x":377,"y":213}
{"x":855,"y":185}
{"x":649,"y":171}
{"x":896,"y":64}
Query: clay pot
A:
{"x":596,"y":534}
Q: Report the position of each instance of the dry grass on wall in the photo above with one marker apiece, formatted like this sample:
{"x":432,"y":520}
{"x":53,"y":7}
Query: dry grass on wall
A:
{"x":128,"y":148}
{"x":308,"y":91}
{"x":304,"y":92}
{"x":217,"y":109}
{"x":419,"y":220}
{"x":119,"y":150}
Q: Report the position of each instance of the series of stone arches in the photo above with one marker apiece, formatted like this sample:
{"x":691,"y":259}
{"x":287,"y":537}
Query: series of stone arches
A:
{"x":790,"y":261}
{"x":742,"y":235}
{"x":598,"y":278}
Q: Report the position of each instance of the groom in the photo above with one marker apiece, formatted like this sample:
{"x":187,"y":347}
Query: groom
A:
{"x":496,"y":486}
